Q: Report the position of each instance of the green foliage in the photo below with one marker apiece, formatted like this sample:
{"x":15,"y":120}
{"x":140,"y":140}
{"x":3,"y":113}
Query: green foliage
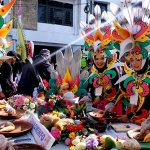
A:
{"x":56,"y":88}
{"x":83,"y":63}
{"x":22,"y":41}
{"x":77,"y":109}
{"x":65,"y":111}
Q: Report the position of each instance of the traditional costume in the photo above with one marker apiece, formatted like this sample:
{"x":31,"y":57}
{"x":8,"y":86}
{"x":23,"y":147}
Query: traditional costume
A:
{"x":98,"y":42}
{"x":131,"y":37}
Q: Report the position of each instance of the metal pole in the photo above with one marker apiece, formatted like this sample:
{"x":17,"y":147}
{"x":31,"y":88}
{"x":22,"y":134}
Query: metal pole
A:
{"x":92,"y":6}
{"x":86,"y":13}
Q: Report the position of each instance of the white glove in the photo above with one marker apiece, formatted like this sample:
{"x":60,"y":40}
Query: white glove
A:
{"x":9,"y":109}
{"x":86,"y":99}
{"x":109,"y":107}
{"x":145,"y":128}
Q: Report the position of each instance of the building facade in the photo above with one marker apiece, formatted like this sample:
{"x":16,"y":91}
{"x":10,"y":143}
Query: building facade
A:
{"x":54,"y":24}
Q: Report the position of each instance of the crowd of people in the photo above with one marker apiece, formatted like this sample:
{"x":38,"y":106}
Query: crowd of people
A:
{"x":18,"y":77}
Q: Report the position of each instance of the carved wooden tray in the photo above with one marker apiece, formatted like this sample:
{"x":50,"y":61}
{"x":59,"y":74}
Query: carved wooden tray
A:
{"x":19,"y":114}
{"x":28,"y":146}
{"x":21,"y":127}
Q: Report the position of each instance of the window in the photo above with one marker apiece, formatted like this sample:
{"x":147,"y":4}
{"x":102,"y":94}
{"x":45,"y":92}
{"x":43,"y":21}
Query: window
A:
{"x":102,"y":6}
{"x":53,"y":12}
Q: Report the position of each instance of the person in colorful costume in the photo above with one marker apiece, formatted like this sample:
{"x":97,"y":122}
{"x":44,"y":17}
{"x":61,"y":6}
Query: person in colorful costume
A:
{"x":103,"y":72}
{"x":131,"y":37}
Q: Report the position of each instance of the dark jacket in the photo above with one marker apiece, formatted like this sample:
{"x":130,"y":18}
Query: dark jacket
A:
{"x":28,"y":79}
{"x":7,"y":79}
{"x":43,"y":66}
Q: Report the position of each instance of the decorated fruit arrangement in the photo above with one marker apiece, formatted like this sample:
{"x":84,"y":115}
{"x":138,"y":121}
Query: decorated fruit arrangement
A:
{"x":109,"y":142}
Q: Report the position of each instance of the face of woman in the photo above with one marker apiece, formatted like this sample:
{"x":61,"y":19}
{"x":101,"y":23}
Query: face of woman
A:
{"x":136,"y":63}
{"x":99,"y":61}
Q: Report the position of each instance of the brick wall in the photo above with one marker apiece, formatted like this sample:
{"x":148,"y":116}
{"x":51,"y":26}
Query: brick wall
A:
{"x":29,"y":14}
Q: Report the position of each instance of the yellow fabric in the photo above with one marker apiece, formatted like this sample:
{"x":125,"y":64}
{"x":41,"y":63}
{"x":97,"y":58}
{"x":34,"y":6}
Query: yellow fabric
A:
{"x":8,"y":44}
{"x":67,"y":78}
{"x":5,"y":9}
{"x":5,"y":30}
{"x":127,"y":70}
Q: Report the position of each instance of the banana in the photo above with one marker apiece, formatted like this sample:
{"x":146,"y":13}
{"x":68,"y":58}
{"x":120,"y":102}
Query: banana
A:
{"x":147,"y":138}
{"x":7,"y":127}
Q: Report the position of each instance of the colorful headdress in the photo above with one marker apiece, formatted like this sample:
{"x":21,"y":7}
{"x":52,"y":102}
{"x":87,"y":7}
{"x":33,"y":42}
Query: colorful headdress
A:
{"x":97,"y":36}
{"x":131,"y":37}
{"x":132,"y":28}
{"x":97,"y":40}
{"x":5,"y":28}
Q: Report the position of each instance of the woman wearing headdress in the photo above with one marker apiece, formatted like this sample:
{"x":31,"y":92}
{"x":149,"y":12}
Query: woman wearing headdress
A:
{"x":131,"y":36}
{"x":103,"y":73}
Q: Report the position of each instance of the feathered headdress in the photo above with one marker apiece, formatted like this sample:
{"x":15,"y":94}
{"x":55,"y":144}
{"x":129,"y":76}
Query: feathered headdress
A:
{"x":132,"y":28}
{"x":131,"y":37}
{"x":97,"y":40}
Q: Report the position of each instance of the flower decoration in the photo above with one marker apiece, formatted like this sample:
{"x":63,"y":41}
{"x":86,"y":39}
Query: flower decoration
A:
{"x":70,"y":131}
{"x":49,"y":104}
{"x":56,"y":133}
{"x":71,"y":135}
{"x":59,"y":126}
{"x":46,"y":84}
{"x":57,"y":103}
{"x":71,"y":148}
{"x":22,"y":102}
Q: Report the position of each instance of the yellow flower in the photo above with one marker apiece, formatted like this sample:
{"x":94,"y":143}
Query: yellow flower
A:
{"x":59,"y":126}
{"x":55,"y":112}
{"x":71,"y":148}
{"x":72,"y":134}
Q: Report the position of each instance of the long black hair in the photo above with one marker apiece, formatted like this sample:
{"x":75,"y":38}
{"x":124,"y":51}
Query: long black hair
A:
{"x":145,"y":67}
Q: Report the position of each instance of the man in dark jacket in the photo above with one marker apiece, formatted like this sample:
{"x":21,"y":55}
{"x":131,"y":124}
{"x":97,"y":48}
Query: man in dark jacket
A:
{"x":40,"y":64}
{"x":7,"y":85}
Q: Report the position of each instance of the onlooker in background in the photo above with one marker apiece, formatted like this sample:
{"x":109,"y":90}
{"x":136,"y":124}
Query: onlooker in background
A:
{"x":40,"y":63}
{"x":17,"y":69}
{"x":7,"y":85}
